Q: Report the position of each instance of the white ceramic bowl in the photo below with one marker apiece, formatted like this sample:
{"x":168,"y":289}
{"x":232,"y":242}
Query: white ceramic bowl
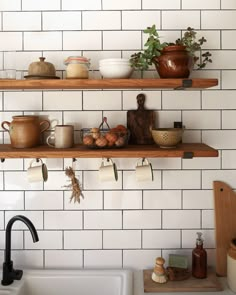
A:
{"x":114,"y":60}
{"x":116,"y":71}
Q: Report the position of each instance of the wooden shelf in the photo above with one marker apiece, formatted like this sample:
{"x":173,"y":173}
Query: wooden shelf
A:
{"x":79,"y":151}
{"x":185,"y":150}
{"x":108,"y":83}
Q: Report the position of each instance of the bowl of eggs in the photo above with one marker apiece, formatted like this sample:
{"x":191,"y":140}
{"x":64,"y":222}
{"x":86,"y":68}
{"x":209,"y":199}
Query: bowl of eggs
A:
{"x":97,"y":138}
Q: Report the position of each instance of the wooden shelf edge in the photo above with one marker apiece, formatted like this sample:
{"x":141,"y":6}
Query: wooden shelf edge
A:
{"x":131,"y":151}
{"x":107,"y":83}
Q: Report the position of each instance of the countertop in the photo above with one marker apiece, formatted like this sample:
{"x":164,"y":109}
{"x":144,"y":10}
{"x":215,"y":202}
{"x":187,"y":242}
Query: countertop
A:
{"x":138,"y":287}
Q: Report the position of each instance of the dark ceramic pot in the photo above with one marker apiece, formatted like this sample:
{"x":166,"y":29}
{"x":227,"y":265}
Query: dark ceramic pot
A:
{"x":174,"y":62}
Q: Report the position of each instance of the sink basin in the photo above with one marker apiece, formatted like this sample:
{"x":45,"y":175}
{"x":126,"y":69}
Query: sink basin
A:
{"x":7,"y":292}
{"x":72,"y":282}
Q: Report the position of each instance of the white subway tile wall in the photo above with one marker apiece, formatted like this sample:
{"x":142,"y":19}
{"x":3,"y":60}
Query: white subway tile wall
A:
{"x":63,"y":259}
{"x":61,"y":21}
{"x":162,"y":4}
{"x":23,"y":21}
{"x":107,"y":258}
{"x":124,"y":223}
{"x":28,"y":258}
{"x":5,"y":5}
{"x":138,"y":259}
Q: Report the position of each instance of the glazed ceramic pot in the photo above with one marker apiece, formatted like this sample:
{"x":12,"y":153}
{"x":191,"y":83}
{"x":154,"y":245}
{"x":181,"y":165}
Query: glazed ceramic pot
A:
{"x":25,"y":131}
{"x":174,"y":62}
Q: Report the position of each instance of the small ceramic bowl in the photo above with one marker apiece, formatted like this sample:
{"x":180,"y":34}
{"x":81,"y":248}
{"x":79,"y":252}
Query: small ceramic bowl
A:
{"x":116,"y":71}
{"x":115,"y":68}
{"x":107,"y":61}
{"x":167,"y":137}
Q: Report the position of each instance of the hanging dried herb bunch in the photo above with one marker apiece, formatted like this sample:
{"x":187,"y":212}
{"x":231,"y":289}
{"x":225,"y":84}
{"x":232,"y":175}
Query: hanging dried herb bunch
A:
{"x":74,"y":185}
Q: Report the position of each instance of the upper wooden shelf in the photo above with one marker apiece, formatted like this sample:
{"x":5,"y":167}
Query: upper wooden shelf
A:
{"x":107,"y":83}
{"x":185,"y":150}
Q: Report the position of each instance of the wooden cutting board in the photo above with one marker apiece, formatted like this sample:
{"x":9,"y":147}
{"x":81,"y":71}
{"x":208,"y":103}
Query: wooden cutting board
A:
{"x":225,"y":223}
{"x":139,"y":123}
{"x":192,"y":284}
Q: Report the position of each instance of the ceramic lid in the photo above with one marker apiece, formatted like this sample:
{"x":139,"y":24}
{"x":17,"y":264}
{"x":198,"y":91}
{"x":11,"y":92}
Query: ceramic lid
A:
{"x":41,"y":68}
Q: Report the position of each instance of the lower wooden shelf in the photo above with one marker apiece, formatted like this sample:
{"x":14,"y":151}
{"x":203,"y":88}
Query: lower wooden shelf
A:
{"x":185,"y":150}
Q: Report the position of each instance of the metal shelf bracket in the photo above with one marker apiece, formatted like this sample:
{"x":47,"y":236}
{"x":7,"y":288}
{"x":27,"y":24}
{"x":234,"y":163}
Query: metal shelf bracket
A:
{"x":187,"y":155}
{"x":186,"y":83}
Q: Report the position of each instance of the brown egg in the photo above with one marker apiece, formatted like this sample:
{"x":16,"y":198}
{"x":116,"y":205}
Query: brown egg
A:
{"x":110,"y":143}
{"x":88,"y":140}
{"x":95,"y":132}
{"x":111,"y":137}
{"x":101,"y":141}
{"x":120,"y":142}
{"x":121,"y":129}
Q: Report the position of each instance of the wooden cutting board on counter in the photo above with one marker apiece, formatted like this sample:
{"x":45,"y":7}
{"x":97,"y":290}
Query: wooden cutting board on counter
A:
{"x":139,"y":123}
{"x":192,"y":284}
{"x":225,"y":223}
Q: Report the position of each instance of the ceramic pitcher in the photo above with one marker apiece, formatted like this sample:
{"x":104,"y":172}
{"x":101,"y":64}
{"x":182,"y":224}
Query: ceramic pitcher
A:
{"x":25,"y":131}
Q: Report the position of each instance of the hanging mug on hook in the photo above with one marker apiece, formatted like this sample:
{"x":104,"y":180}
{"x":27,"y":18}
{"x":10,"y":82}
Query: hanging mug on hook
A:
{"x":37,"y":171}
{"x":144,"y":170}
{"x":108,"y":170}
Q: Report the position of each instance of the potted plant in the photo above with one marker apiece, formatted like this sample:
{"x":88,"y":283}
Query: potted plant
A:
{"x":172,"y":60}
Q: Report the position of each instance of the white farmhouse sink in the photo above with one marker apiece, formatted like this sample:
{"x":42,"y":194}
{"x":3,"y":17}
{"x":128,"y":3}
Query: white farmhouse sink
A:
{"x":72,"y":282}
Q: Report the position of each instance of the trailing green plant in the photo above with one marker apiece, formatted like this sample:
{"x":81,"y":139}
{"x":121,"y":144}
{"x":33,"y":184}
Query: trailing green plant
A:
{"x":142,"y":60}
{"x":193,"y":45}
{"x":153,"y":48}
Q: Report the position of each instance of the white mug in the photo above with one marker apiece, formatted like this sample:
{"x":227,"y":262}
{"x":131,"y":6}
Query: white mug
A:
{"x":108,"y":171}
{"x":38,"y":172}
{"x":144,"y":170}
{"x":63,"y":137}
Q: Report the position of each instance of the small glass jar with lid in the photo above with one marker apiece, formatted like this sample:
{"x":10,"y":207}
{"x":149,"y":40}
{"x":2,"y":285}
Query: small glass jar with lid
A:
{"x":77,"y":67}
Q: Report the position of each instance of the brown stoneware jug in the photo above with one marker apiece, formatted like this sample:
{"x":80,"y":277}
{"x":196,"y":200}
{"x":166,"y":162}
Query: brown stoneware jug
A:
{"x":174,"y":62}
{"x":25,"y":131}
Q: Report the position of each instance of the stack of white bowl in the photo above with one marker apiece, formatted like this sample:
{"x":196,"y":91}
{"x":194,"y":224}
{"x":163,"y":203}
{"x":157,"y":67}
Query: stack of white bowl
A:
{"x":115,"y":68}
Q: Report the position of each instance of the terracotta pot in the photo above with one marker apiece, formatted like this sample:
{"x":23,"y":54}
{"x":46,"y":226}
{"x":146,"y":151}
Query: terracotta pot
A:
{"x":25,"y":130}
{"x":175,"y":62}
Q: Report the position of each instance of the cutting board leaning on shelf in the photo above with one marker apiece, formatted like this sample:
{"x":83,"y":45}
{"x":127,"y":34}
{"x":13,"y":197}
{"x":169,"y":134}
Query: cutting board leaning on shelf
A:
{"x":225,"y":223}
{"x":140,"y":122}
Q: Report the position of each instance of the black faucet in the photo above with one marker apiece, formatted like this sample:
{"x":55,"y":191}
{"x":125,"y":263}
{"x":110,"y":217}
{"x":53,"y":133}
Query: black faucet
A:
{"x":9,"y":274}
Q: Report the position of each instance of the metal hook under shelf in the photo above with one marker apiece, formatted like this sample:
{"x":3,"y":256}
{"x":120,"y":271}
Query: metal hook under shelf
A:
{"x":74,"y":160}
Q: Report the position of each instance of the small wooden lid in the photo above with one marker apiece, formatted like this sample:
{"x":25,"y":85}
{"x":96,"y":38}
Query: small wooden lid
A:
{"x":160,"y":260}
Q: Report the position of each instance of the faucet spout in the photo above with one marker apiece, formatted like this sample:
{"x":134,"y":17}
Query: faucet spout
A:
{"x":9,"y":274}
